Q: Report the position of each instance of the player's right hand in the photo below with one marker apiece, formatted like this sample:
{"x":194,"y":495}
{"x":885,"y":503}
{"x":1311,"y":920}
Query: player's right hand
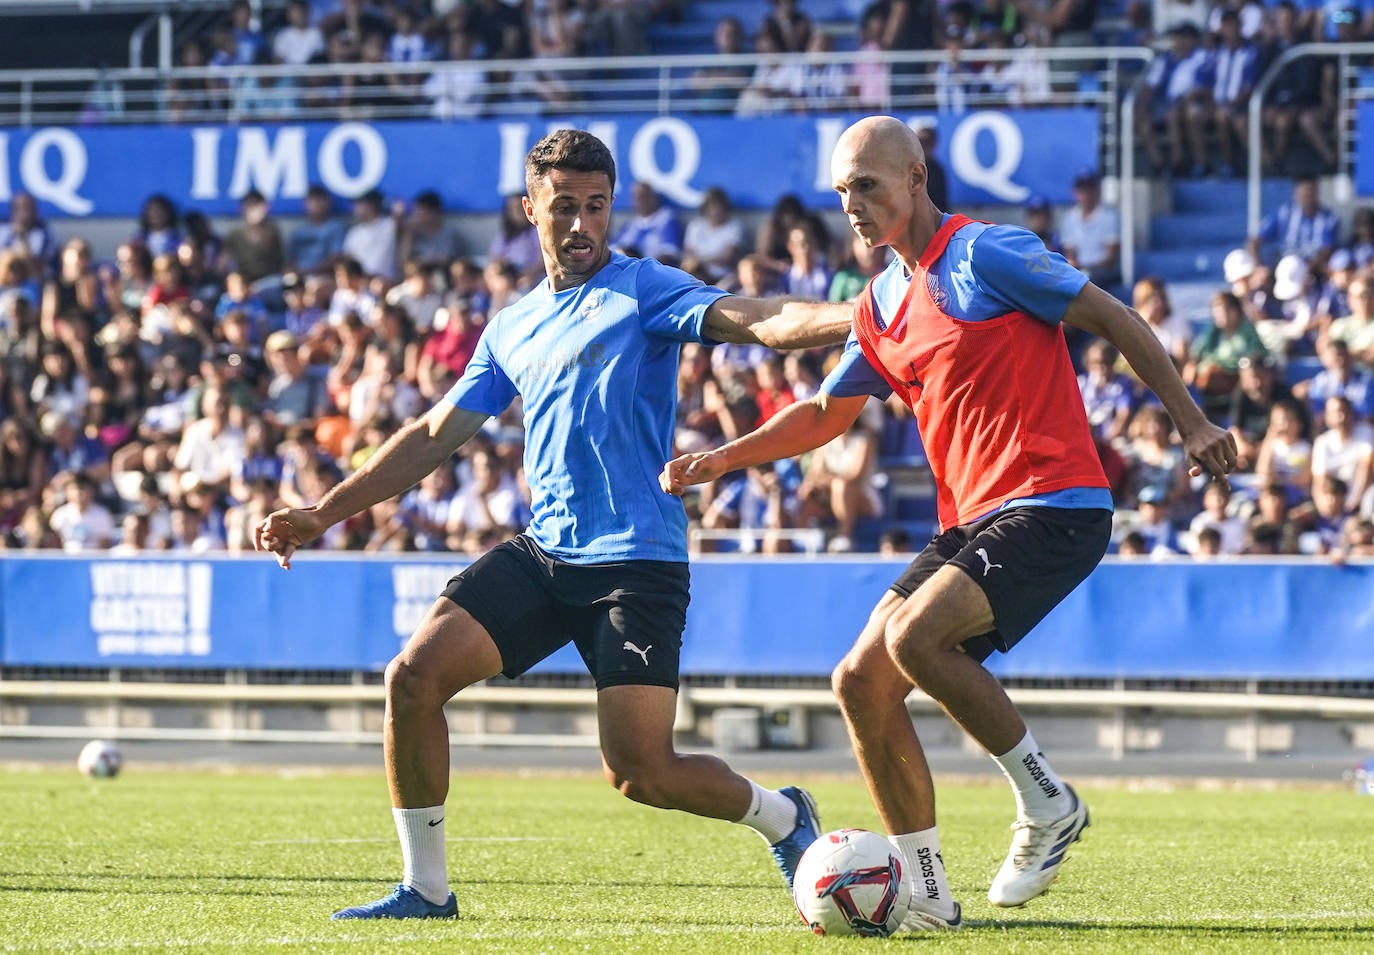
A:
{"x":281,"y":532}
{"x":698,"y":467}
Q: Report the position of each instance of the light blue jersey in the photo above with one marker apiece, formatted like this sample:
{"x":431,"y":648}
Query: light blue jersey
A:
{"x":986,"y":271}
{"x":596,"y":366}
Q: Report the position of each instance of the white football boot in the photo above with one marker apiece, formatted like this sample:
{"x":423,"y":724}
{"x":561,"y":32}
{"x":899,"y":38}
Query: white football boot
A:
{"x":921,"y":920}
{"x":1037,"y":851}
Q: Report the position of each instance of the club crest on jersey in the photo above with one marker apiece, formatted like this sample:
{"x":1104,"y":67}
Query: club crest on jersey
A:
{"x":592,"y":304}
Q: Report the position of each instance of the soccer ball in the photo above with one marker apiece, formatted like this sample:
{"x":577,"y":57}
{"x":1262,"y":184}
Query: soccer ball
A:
{"x":852,"y":882}
{"x":99,"y":758}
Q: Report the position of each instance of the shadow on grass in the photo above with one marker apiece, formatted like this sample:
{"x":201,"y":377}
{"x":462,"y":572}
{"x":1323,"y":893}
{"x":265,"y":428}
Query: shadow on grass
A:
{"x":173,"y":888}
{"x":591,"y":884}
{"x":1287,"y":930}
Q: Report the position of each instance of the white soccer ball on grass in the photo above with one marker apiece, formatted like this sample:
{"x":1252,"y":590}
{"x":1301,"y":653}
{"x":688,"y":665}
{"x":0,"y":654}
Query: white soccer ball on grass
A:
{"x":852,"y":882}
{"x":100,"y":758}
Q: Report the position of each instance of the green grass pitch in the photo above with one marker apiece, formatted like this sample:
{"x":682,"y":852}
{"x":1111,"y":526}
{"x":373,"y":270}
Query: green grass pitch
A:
{"x":255,"y":861}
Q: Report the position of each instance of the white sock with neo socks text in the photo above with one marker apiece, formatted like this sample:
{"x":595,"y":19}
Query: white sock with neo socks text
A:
{"x":422,"y":851}
{"x":771,"y":814}
{"x":929,"y":884}
{"x":1040,"y":793}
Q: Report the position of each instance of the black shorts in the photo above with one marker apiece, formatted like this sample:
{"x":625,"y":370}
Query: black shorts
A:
{"x":1026,"y":559}
{"x":625,"y":618}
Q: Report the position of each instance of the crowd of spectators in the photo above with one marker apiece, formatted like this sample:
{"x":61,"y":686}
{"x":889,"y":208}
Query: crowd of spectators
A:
{"x":1285,"y":360}
{"x":413,"y":58}
{"x":1193,"y":114}
{"x":171,"y":397}
{"x":435,"y":57}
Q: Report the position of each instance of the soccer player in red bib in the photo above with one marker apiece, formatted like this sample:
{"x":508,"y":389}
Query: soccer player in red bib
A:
{"x":965,"y":327}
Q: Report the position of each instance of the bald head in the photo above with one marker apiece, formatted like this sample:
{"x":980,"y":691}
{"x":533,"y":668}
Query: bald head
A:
{"x":881,"y":138}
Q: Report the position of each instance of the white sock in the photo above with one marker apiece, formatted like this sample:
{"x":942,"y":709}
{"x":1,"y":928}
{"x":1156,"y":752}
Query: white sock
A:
{"x":422,"y":851}
{"x":929,"y":884}
{"x":771,"y":814}
{"x":1040,"y":793}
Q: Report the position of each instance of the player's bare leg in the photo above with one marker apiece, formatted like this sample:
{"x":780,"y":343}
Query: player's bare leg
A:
{"x":638,"y":758}
{"x":923,"y":636}
{"x":872,"y":693}
{"x":448,"y":651}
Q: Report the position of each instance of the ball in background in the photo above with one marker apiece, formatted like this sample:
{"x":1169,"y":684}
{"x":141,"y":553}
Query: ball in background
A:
{"x":100,"y":758}
{"x":852,"y":882}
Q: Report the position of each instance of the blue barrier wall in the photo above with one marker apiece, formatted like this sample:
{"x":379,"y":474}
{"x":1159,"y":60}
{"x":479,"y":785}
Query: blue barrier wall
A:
{"x":1280,"y":620}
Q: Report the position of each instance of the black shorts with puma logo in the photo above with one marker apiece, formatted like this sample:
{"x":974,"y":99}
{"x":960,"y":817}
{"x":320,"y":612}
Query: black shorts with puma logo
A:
{"x":1026,"y":559}
{"x":625,"y":618}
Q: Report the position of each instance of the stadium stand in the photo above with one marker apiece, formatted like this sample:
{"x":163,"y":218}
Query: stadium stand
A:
{"x":363,"y":337}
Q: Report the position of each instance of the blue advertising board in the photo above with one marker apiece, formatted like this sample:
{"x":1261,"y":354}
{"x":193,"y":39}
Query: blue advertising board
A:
{"x":785,"y":617}
{"x":992,"y":157}
{"x":1364,"y":149}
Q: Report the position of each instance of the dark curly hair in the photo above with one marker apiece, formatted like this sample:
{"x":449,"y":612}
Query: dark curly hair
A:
{"x":571,"y":149}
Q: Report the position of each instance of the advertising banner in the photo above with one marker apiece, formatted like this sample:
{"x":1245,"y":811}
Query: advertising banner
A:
{"x":779,"y":617}
{"x":991,"y":157}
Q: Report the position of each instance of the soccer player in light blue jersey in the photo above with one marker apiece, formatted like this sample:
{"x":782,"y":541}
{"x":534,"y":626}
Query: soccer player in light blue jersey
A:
{"x":593,"y":353}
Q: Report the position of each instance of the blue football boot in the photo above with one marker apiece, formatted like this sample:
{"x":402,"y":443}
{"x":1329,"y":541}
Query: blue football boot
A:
{"x":788,"y":850}
{"x":403,"y":903}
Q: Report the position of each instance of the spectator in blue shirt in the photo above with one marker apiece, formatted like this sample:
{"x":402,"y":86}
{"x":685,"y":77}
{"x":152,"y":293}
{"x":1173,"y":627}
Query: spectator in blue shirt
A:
{"x":1107,"y":396}
{"x":313,"y":245}
{"x":26,"y":234}
{"x":1154,"y":525}
{"x":248,"y":40}
{"x":408,"y":43}
{"x":1302,"y":226}
{"x":159,"y":226}
{"x":1301,"y":95}
{"x":239,"y":297}
{"x":70,"y":450}
{"x":654,"y":231}
{"x":1236,"y":67}
{"x":1176,"y":94}
{"x":1340,"y":377}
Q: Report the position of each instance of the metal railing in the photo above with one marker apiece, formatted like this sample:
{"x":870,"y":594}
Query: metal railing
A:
{"x":751,"y":540}
{"x":674,"y":84}
{"x":1349,"y":90}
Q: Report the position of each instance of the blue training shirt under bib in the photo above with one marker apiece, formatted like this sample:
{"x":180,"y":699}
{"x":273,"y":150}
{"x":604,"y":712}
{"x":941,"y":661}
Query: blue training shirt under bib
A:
{"x":596,"y":366}
{"x":986,"y":271}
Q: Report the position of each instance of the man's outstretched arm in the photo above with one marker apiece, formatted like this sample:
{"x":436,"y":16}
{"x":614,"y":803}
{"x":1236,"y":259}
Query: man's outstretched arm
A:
{"x":797,"y":428}
{"x":1209,"y":447}
{"x":778,"y":322}
{"x":405,"y":458}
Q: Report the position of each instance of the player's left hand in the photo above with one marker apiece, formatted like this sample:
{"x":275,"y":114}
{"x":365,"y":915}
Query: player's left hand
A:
{"x":283,"y":531}
{"x":1212,"y":450}
{"x":696,"y":468}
